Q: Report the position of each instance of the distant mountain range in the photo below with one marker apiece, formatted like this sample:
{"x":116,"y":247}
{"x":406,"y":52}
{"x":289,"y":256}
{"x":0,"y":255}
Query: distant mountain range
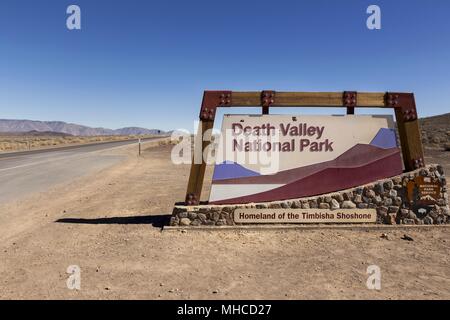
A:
{"x":21,"y":126}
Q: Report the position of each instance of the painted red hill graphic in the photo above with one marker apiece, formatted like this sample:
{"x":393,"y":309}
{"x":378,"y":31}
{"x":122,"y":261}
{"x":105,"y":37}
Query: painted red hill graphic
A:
{"x":359,"y":165}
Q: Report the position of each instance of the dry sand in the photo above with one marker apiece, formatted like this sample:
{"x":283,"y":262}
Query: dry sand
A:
{"x":10,"y":143}
{"x":108,"y":225}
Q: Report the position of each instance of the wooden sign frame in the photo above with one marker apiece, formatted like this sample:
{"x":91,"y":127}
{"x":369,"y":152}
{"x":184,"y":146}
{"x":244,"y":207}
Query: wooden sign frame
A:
{"x":403,"y":104}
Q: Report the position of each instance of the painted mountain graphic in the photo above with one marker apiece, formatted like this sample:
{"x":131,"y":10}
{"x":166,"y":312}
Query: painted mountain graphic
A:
{"x":385,"y":138}
{"x":359,"y":165}
{"x":232,"y":170}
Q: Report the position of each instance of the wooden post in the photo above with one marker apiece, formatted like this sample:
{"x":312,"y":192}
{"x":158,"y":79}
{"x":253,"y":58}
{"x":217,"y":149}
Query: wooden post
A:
{"x":408,"y":128}
{"x":198,"y":166}
{"x":139,"y":146}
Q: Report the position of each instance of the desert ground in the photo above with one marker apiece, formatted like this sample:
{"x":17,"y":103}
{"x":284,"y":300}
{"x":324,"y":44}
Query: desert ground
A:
{"x":109,"y":224}
{"x":19,"y":142}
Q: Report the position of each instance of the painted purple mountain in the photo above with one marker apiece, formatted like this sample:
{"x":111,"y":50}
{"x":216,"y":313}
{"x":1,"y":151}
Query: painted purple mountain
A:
{"x":232,"y":170}
{"x":385,"y":138}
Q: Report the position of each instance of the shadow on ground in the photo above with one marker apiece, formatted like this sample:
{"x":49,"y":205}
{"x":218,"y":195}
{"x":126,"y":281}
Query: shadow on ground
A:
{"x":157,"y":221}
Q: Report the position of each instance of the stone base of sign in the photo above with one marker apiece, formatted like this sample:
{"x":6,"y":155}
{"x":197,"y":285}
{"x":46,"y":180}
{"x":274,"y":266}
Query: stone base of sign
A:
{"x":390,"y":197}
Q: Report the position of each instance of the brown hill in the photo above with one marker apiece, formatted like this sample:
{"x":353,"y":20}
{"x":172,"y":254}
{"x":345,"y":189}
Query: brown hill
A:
{"x":436,"y":131}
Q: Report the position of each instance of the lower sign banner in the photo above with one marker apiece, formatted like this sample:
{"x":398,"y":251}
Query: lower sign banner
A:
{"x":305,"y":216}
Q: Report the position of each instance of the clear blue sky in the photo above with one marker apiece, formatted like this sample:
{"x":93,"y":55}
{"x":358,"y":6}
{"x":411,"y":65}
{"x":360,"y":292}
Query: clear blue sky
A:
{"x":146,"y":63}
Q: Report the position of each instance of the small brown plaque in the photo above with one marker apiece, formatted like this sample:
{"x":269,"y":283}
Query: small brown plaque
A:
{"x":305,"y":216}
{"x":423,"y":190}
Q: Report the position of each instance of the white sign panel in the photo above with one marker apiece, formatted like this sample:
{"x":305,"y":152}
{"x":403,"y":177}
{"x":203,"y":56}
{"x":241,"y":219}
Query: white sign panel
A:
{"x":264,"y":158}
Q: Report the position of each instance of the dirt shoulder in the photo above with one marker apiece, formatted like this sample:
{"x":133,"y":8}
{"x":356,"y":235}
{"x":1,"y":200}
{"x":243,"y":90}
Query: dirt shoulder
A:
{"x":107,"y":224}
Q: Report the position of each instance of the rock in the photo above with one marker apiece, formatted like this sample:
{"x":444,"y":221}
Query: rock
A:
{"x":440,"y":169}
{"x":334,"y":204}
{"x":409,"y":221}
{"x":370,"y":193}
{"x":392,"y":193}
{"x":203,"y":210}
{"x":221,"y":222}
{"x":192,"y":215}
{"x":196,"y":222}
{"x":230,"y":210}
{"x":215,"y":216}
{"x":324,"y":205}
{"x":398,"y":201}
{"x":384,"y":236}
{"x":339,"y":197}
{"x":388,"y":185}
{"x":434,"y":213}
{"x":201,"y":217}
{"x":185,"y":222}
{"x":357,"y":199}
{"x":445,"y":210}
{"x":378,"y":188}
{"x":428,"y":220}
{"x":348,"y":196}
{"x":362,"y":205}
{"x":328,"y":199}
{"x":407,"y":238}
{"x":284,"y":205}
{"x":441,"y":219}
{"x":305,"y":205}
{"x":393,"y":209}
{"x":313,"y":204}
{"x":411,"y":215}
{"x":397,"y":180}
{"x":377,"y":200}
{"x":382,"y":211}
{"x":183,"y":214}
{"x":404,"y":213}
{"x":174,"y":221}
{"x":367,"y":200}
{"x":392,"y":218}
{"x":274,"y":206}
{"x":348,"y":205}
{"x":261,"y":206}
{"x":296,"y":204}
{"x":224,"y":215}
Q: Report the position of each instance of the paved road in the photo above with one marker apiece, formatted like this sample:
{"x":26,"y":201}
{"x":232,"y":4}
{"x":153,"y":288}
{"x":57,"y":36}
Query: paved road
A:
{"x":23,"y":173}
